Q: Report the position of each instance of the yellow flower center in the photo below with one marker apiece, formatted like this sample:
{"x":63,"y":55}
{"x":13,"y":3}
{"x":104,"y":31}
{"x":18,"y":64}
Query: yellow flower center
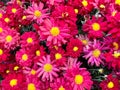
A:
{"x":110,"y":85}
{"x":37,"y":13}
{"x":14,"y":10}
{"x":116,"y":54}
{"x":29,"y":40}
{"x":24,"y":17}
{"x":38,"y":53}
{"x":1,"y":51}
{"x":85,"y":42}
{"x":31,"y":86}
{"x":76,"y":11}
{"x":96,"y":26}
{"x":85,"y":3}
{"x":114,"y":13}
{"x":8,"y":38}
{"x":58,"y":56}
{"x":116,"y":45}
{"x":16,"y":68}
{"x":75,"y":48}
{"x":61,"y":88}
{"x":1,"y":15}
{"x":24,"y":57}
{"x":96,"y":53}
{"x":55,"y":31}
{"x":1,"y":29}
{"x":48,"y":67}
{"x":78,"y":79}
{"x":102,"y":6}
{"x":33,"y":72}
{"x":7,"y":71}
{"x":117,"y":2}
{"x":13,"y":82}
{"x":7,"y":20}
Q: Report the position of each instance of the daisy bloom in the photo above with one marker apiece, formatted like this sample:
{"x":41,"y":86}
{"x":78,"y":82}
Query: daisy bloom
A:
{"x":47,"y":69}
{"x":80,"y":78}
{"x":94,"y":53}
{"x":61,"y":84}
{"x":111,"y":83}
{"x":54,"y":32}
{"x":24,"y":57}
{"x":10,"y":39}
{"x":36,"y":12}
{"x":95,"y":27}
{"x":74,"y":48}
{"x":29,"y":39}
{"x":13,"y":81}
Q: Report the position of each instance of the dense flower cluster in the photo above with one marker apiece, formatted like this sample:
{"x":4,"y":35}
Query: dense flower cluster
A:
{"x":59,"y":45}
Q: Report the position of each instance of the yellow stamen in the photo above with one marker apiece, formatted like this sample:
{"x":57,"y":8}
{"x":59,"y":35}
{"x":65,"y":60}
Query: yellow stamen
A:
{"x":33,"y":72}
{"x":37,"y":13}
{"x":1,"y":51}
{"x":24,"y":57}
{"x":116,"y":45}
{"x":96,"y":53}
{"x":58,"y":56}
{"x":7,"y":20}
{"x":13,"y":82}
{"x":16,"y":68}
{"x":85,"y":42}
{"x":114,"y":13}
{"x":38,"y":53}
{"x":116,"y":54}
{"x":8,"y":38}
{"x":48,"y":67}
{"x":79,"y":79}
{"x":110,"y":85}
{"x":14,"y":10}
{"x":1,"y":15}
{"x":24,"y":17}
{"x":55,"y":31}
{"x":75,"y":48}
{"x":117,"y":2}
{"x":85,"y":3}
{"x":1,"y":29}
{"x":29,"y":40}
{"x":76,"y":11}
{"x":102,"y":6}
{"x":7,"y":71}
{"x":96,"y":26}
{"x":61,"y":88}
{"x":31,"y":86}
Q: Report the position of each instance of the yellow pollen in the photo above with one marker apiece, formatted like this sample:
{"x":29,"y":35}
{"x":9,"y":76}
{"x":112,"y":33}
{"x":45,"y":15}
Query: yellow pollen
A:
{"x":116,"y":46}
{"x":24,"y":17}
{"x":65,"y":14}
{"x":6,"y":20}
{"x":96,"y":53}
{"x":117,"y":2}
{"x":24,"y":57}
{"x":38,"y":53}
{"x":78,"y":79}
{"x":33,"y":72}
{"x":114,"y":13}
{"x":48,"y":67}
{"x":55,"y":31}
{"x":110,"y":85}
{"x":31,"y":86}
{"x":29,"y":40}
{"x":102,"y":6}
{"x":8,"y":38}
{"x":85,"y":3}
{"x":1,"y":51}
{"x":75,"y":48}
{"x":1,"y":15}
{"x":13,"y":82}
{"x":16,"y":68}
{"x":56,"y":47}
{"x":37,"y":13}
{"x":96,"y":26}
{"x":116,"y":54}
{"x":61,"y":88}
{"x":1,"y":29}
{"x":85,"y":42}
{"x":58,"y":56}
{"x":7,"y":71}
{"x":14,"y":10}
{"x":76,"y":11}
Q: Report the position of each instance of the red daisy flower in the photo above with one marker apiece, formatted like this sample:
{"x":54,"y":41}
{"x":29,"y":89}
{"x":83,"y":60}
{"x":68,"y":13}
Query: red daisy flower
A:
{"x":111,"y":83}
{"x":95,"y":27}
{"x":24,"y":57}
{"x":13,"y":81}
{"x":29,"y":39}
{"x":74,"y":48}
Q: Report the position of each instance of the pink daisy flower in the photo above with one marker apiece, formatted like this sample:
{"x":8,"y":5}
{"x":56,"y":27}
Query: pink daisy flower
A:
{"x":55,"y":33}
{"x":61,"y":84}
{"x":74,"y":48}
{"x":47,"y":69}
{"x":29,"y":39}
{"x":10,"y":39}
{"x":79,"y":77}
{"x":24,"y":57}
{"x":36,"y":12}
